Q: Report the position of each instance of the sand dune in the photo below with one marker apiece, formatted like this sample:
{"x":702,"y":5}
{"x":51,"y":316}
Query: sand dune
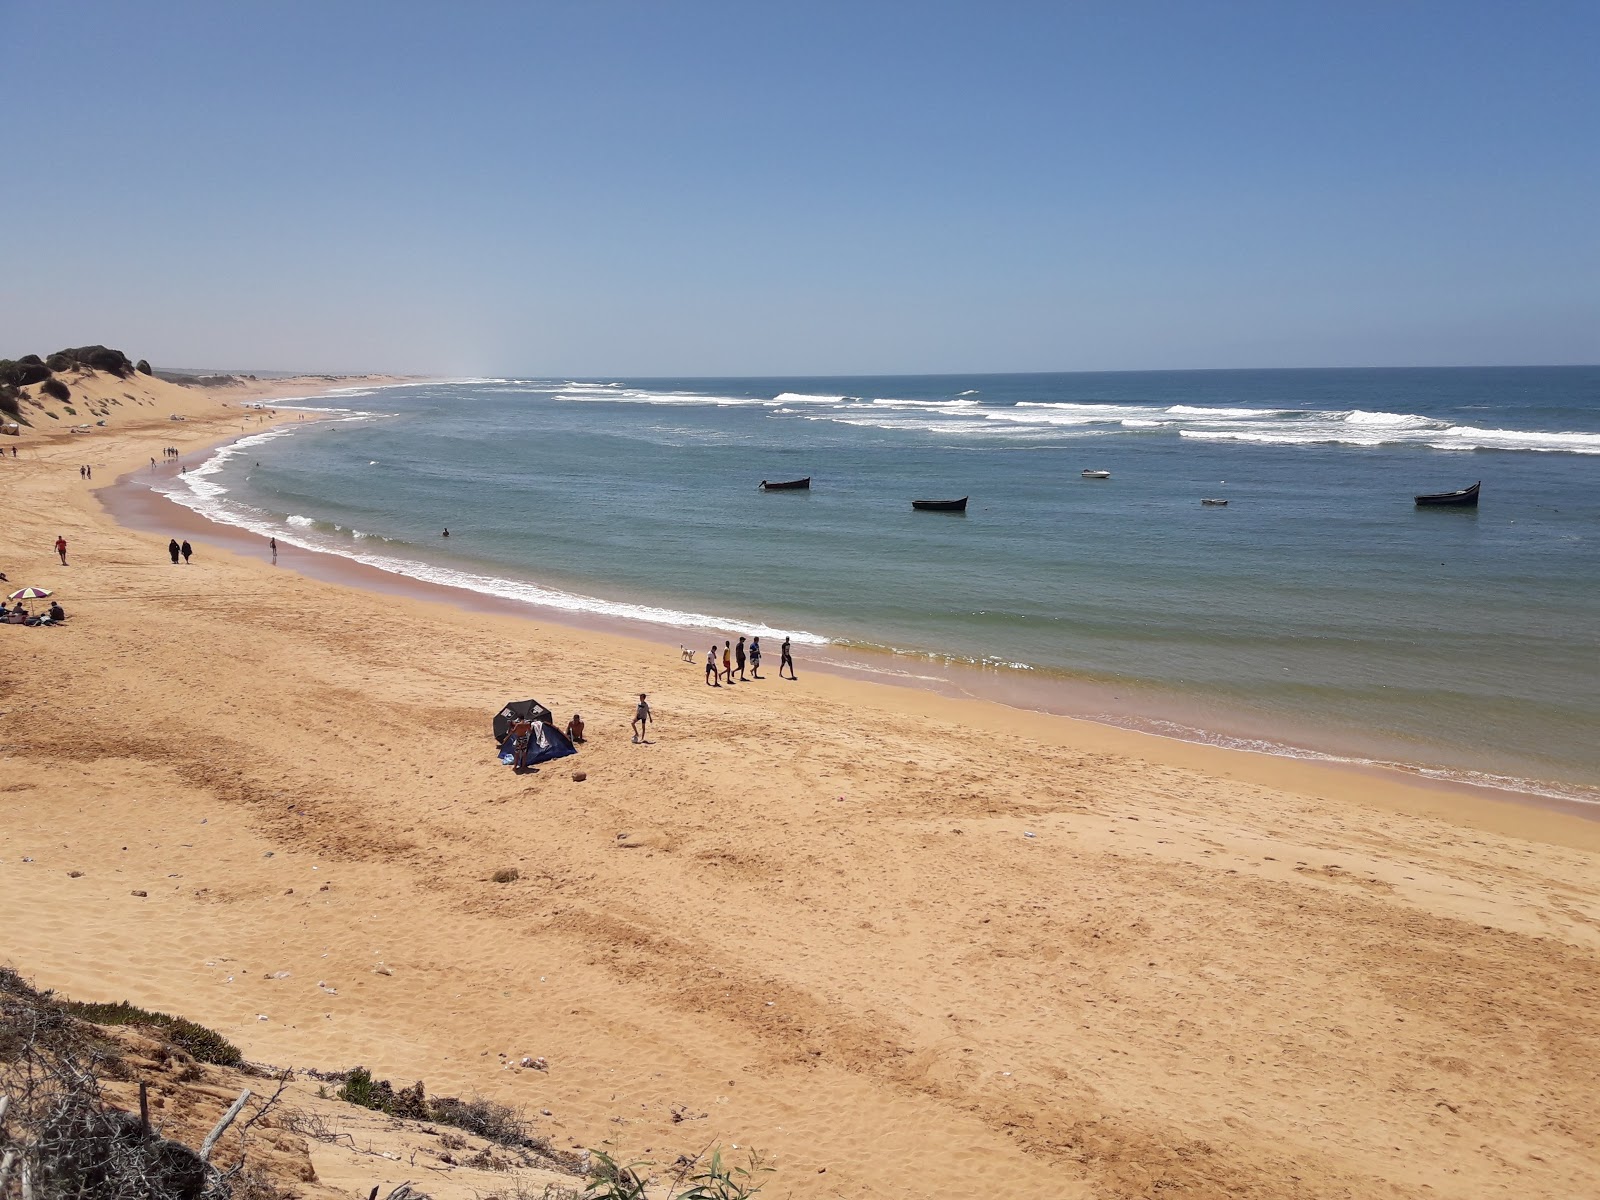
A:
{"x":807,"y":918}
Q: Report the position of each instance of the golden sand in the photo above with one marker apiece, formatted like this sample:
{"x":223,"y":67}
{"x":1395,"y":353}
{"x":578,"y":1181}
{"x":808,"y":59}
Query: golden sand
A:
{"x":807,"y":918}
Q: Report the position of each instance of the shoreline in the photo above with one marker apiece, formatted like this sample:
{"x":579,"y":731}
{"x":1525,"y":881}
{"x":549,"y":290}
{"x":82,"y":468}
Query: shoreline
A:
{"x":134,"y":499}
{"x":1059,"y":957}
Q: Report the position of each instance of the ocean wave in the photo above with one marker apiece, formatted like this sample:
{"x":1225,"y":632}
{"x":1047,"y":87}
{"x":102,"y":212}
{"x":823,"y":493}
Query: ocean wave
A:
{"x":1186,"y":410}
{"x":932,"y":405}
{"x":807,"y":398}
{"x":1453,"y":437}
{"x":201,"y":493}
{"x":1393,"y":420}
{"x":630,"y":396}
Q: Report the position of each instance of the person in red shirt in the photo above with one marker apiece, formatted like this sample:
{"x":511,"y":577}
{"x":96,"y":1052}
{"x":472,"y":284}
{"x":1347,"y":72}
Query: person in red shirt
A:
{"x":61,"y":548}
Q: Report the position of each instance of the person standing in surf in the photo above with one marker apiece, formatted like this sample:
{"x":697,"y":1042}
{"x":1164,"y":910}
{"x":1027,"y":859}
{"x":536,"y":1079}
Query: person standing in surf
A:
{"x":785,"y":659}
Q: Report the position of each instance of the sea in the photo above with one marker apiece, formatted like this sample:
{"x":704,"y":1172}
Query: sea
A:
{"x":1319,"y":613}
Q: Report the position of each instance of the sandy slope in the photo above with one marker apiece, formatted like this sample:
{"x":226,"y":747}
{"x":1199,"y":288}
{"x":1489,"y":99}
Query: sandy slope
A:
{"x":807,"y":918}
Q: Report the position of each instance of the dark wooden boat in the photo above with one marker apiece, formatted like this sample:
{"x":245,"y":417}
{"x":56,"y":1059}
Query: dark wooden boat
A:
{"x":940,"y":505}
{"x":1465,"y":498}
{"x":791,"y":485}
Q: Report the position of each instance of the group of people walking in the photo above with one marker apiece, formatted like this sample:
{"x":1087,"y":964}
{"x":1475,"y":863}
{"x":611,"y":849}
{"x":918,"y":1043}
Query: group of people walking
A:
{"x":85,"y":472}
{"x":174,"y":549}
{"x":734,"y":658}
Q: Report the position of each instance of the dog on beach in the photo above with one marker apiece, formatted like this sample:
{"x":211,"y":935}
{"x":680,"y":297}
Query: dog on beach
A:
{"x":688,"y":654}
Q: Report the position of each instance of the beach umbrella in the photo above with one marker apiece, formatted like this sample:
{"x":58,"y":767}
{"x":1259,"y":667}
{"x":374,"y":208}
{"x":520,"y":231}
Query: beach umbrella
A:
{"x":517,"y":709}
{"x":29,"y":593}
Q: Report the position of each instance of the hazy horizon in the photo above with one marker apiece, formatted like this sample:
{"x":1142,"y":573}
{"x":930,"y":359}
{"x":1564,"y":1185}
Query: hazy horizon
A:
{"x":713,"y":190}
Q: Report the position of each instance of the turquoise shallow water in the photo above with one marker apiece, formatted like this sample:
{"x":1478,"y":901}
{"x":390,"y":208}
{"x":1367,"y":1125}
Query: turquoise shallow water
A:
{"x":1319,"y":604}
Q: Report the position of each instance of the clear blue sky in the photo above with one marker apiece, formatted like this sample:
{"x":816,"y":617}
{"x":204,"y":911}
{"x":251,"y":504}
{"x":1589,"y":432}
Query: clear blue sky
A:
{"x":749,"y":188}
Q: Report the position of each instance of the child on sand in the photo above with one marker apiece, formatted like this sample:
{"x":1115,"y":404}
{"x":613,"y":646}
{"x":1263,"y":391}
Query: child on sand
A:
{"x":641,"y":720}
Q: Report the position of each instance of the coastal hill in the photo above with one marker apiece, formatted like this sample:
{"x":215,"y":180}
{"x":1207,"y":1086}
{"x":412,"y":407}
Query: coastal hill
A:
{"x":89,"y":389}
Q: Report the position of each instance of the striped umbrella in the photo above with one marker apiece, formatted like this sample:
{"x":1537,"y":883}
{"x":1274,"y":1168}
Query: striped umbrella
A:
{"x":29,"y":593}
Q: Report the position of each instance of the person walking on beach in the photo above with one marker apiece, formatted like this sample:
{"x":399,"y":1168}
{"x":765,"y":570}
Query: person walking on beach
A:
{"x":641,"y":721}
{"x":273,"y":542}
{"x":187,"y":550}
{"x":711,"y":667}
{"x":785,"y":659}
{"x":755,"y":657}
{"x":738,"y":658}
{"x":88,"y":472}
{"x":61,"y":548}
{"x":727,"y":662}
{"x":172,"y":549}
{"x":81,"y":471}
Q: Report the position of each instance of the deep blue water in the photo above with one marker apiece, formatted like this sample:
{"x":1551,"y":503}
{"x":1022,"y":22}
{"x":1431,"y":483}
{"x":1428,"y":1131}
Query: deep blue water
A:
{"x":1320,"y":600}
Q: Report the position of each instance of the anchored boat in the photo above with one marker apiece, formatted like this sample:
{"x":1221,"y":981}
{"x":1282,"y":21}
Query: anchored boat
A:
{"x":1465,"y":498}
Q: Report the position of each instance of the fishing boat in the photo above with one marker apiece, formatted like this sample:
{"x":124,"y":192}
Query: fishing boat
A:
{"x":959,"y":506}
{"x":1097,"y":474}
{"x":1214,"y":503}
{"x":1465,"y":498}
{"x":788,"y":485}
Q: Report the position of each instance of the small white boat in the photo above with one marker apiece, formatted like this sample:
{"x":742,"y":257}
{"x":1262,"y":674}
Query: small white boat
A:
{"x":1097,"y":474}
{"x":1214,"y":503}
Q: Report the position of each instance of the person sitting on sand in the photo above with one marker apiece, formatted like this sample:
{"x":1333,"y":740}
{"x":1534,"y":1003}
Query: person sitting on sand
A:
{"x":575,"y":729}
{"x":57,"y":613}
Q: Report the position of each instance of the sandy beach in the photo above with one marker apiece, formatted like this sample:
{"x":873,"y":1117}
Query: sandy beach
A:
{"x":904,"y":944}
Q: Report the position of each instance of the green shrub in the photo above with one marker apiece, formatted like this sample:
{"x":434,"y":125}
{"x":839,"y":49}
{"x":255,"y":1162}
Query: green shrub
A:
{"x":21,"y":372}
{"x":362,"y":1089}
{"x":143,"y":367}
{"x":195,"y":1040}
{"x":98,"y":358}
{"x":56,"y":389}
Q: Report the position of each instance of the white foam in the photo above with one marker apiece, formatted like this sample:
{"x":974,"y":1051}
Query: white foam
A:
{"x":807,"y":398}
{"x":1186,"y":410}
{"x":202,"y":494}
{"x":1393,"y":420}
